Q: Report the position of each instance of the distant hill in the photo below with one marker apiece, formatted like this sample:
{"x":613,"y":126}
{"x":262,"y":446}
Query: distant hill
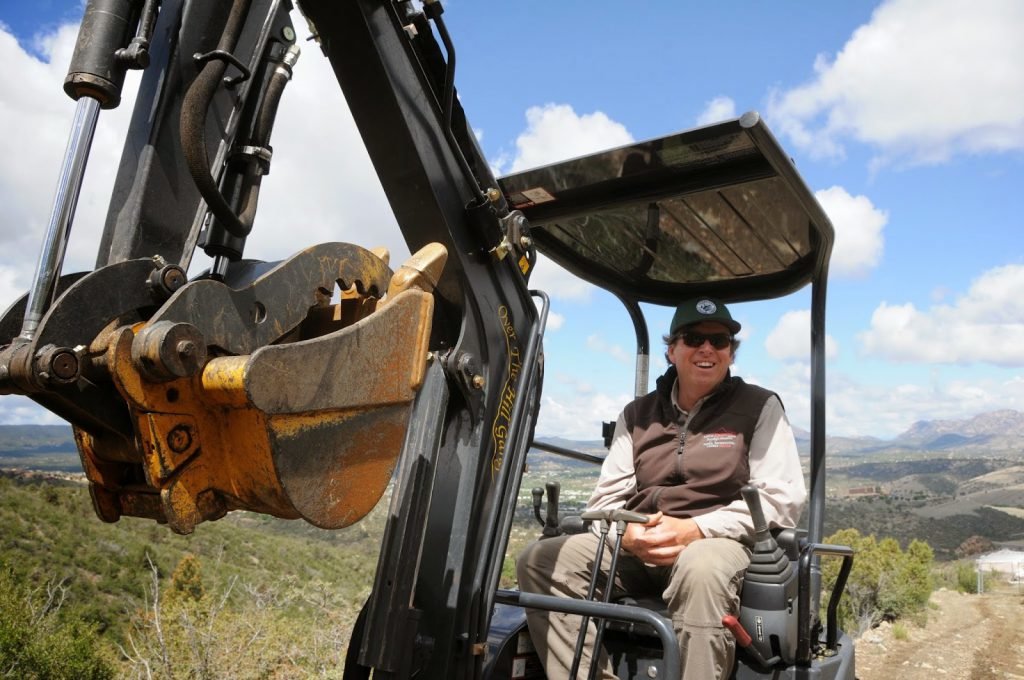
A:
{"x":39,"y":447}
{"x":994,"y":423}
{"x":994,"y":431}
{"x":30,"y":437}
{"x":994,"y":434}
{"x":997,"y":433}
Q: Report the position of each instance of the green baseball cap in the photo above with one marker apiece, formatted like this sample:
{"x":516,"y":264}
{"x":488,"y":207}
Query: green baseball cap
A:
{"x":702,"y":309}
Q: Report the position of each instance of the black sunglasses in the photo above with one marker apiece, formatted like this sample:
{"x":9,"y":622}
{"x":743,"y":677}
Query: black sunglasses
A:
{"x":717,"y":340}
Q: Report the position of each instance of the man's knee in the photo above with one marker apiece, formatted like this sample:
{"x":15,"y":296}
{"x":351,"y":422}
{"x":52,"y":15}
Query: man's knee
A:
{"x":537,"y":563}
{"x":710,"y":570}
{"x":526,"y":565}
{"x":556,"y":564}
{"x":712,"y":559}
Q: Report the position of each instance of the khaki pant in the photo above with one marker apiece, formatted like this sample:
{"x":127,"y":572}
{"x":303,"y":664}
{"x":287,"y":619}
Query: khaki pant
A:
{"x":700,"y":588}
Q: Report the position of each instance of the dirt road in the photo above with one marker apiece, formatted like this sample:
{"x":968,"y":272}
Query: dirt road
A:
{"x":973,"y":637}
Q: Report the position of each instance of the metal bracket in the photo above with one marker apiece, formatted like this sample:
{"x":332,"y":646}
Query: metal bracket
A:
{"x":221,"y":55}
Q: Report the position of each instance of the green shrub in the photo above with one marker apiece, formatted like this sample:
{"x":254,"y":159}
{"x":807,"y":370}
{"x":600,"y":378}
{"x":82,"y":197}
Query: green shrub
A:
{"x":37,"y":642}
{"x":966,"y":578}
{"x":885,"y":583}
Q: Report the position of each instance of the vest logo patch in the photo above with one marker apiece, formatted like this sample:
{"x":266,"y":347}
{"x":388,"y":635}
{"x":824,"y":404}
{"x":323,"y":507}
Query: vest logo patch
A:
{"x":720,"y":440}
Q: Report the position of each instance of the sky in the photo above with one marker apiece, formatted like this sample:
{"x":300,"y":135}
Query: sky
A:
{"x":905,"y":117}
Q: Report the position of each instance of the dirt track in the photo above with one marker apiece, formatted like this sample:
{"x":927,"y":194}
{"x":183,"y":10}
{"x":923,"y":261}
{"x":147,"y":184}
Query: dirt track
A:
{"x":973,"y":637}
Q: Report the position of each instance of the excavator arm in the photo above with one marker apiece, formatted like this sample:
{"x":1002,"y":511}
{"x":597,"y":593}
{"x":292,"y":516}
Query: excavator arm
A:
{"x":294,"y":388}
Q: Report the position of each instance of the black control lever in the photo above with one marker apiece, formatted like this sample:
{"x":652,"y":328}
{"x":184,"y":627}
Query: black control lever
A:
{"x":618,"y":518}
{"x":550,"y":522}
{"x":766,"y":626}
{"x":763,"y":539}
{"x":538,"y":498}
{"x":616,"y":515}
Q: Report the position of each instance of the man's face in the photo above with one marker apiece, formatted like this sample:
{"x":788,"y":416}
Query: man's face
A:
{"x":701,"y":368}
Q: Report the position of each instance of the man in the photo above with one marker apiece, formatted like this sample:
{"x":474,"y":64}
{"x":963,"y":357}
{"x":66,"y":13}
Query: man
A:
{"x":680,"y":454}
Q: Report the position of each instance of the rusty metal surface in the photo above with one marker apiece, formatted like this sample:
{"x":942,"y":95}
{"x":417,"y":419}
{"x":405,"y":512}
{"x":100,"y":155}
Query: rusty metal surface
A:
{"x":335,"y":469}
{"x":48,"y":368}
{"x":310,"y":428}
{"x":378,"y":360}
{"x":88,"y":305}
{"x":421,"y":271}
{"x":277,"y":301}
{"x":359,"y":384}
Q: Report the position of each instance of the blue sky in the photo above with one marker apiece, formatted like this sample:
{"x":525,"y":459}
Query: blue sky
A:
{"x":906,"y":117}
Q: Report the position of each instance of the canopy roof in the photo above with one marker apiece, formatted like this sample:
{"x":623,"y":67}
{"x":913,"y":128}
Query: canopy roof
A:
{"x":718,"y":211}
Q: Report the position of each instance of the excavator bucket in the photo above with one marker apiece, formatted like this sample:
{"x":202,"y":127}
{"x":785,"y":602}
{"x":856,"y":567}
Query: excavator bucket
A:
{"x":307,"y":425}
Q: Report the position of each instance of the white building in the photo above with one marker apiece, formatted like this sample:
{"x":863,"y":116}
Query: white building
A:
{"x":1008,"y":564}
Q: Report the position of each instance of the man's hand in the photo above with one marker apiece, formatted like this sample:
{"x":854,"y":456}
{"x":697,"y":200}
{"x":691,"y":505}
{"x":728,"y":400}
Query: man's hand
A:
{"x":661,"y":539}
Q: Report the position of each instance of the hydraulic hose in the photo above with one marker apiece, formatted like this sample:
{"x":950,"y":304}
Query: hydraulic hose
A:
{"x":261,"y":136}
{"x":193,"y":121}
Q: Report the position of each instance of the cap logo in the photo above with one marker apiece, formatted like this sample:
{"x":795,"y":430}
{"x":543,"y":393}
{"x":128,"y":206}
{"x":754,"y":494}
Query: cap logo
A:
{"x":707,"y":307}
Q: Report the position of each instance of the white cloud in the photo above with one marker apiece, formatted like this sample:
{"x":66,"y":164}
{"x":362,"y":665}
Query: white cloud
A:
{"x":599,"y":344}
{"x":36,"y":116}
{"x":717,"y":110}
{"x":18,"y":410}
{"x":555,"y":132}
{"x":791,"y":338}
{"x":555,"y":321}
{"x":858,"y":225}
{"x":879,"y":410}
{"x":557,"y":282}
{"x":922,"y":80}
{"x":858,"y":408}
{"x":578,"y":415}
{"x":985,"y":325}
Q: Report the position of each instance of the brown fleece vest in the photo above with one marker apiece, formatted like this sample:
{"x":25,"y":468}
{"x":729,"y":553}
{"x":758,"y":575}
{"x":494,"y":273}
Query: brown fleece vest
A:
{"x":686,"y":473}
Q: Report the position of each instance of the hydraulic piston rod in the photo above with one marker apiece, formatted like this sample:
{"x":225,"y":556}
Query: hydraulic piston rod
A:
{"x":69,"y":185}
{"x":94,"y":80}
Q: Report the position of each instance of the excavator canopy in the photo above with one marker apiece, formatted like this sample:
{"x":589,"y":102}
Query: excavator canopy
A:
{"x":719,"y":210}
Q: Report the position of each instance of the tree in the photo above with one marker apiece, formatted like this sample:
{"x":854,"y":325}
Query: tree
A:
{"x":36,"y":641}
{"x":885,"y":582}
{"x":288,"y":629}
{"x":187,"y":580}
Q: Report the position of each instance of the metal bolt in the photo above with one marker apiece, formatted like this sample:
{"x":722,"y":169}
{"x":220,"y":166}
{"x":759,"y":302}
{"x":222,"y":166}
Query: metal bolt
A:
{"x":173,"y":278}
{"x":179,"y":439}
{"x":64,"y":365}
{"x":186,"y":349}
{"x":525,"y":242}
{"x":493,"y":195}
{"x":652,"y":672}
{"x":478,"y":382}
{"x":289,"y":33}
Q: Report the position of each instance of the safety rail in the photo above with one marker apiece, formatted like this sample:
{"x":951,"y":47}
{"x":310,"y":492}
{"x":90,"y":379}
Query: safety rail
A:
{"x":602,"y":610}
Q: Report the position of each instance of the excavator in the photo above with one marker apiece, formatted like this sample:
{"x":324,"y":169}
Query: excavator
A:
{"x":308,"y":387}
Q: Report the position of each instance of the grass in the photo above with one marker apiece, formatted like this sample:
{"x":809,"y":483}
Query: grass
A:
{"x":50,"y":532}
{"x":1015,"y":512}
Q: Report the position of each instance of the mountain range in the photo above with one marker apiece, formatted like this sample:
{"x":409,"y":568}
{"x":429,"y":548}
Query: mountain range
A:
{"x":993,"y":434}
{"x":996,"y":433}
